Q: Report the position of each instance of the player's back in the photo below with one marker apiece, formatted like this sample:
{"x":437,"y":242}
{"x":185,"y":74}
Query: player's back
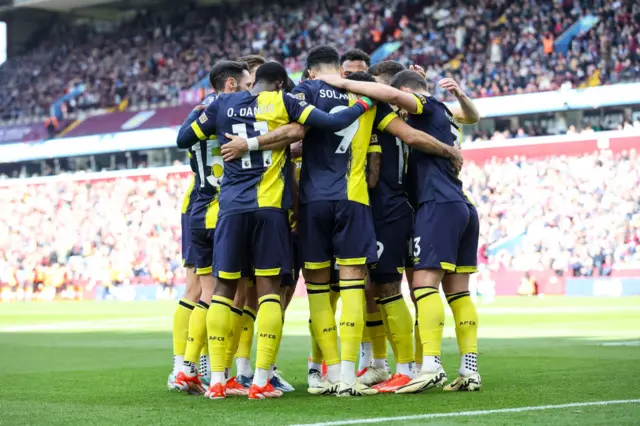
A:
{"x":388,"y":198}
{"x":206,"y":163}
{"x":260,"y":179}
{"x":333,"y":165}
{"x":432,"y":178}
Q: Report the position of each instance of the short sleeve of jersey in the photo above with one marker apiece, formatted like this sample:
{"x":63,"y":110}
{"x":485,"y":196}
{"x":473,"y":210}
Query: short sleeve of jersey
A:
{"x":205,"y":125}
{"x":374,"y":144}
{"x":424,"y":107}
{"x":384,"y":116}
{"x":298,"y":109}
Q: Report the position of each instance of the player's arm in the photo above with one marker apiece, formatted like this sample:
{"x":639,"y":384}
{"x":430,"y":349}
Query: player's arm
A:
{"x":466,"y":111}
{"x":309,"y":115}
{"x":275,"y":139}
{"x":374,"y":159}
{"x":377,"y":91}
{"x":424,"y":142}
{"x":197,"y":129}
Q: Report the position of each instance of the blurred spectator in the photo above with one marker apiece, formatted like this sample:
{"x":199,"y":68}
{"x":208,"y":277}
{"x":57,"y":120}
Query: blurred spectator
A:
{"x":493,"y":47}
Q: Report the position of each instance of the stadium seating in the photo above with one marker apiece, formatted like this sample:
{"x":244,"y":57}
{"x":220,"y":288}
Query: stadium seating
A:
{"x":152,"y":58}
{"x":575,"y":215}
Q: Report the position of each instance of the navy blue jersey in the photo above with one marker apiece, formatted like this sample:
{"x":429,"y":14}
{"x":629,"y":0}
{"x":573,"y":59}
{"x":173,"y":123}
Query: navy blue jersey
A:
{"x":206,"y":162}
{"x":432,"y":178}
{"x":389,"y":199}
{"x":260,"y":179}
{"x":333,"y":164}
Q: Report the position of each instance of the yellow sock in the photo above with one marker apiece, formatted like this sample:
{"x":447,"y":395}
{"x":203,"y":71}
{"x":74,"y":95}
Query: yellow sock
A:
{"x":387,"y":330}
{"x":218,"y":327}
{"x":400,"y":325}
{"x":269,"y":329}
{"x":430,"y":319}
{"x":205,"y":348}
{"x":466,"y":318}
{"x":246,"y":333}
{"x":334,"y":296}
{"x":352,"y":318}
{"x":234,"y":335}
{"x":323,"y":321}
{"x":316,"y":353}
{"x":181,"y":325}
{"x":375,"y":329}
{"x":275,"y":357}
{"x":418,"y":346}
{"x":197,"y":332}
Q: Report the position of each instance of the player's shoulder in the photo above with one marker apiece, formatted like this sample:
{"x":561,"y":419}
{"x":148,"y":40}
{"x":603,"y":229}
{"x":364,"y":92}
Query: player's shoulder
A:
{"x":305,"y":88}
{"x":209,"y":99}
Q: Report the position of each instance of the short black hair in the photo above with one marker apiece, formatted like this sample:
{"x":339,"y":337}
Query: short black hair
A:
{"x":323,"y":55}
{"x":272,"y":72}
{"x":410,"y":79}
{"x":305,"y":74}
{"x":356,"y":55}
{"x":386,"y":69}
{"x":253,"y":61}
{"x":361,"y":76}
{"x":222,"y":70}
{"x":289,"y":85}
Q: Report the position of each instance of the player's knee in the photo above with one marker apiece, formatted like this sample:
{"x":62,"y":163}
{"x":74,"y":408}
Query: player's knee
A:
{"x":352,"y":272}
{"x":317,"y":275}
{"x":427,"y":278}
{"x":455,"y":283}
{"x":267,"y":285}
{"x":387,"y":284}
{"x":225,"y":288}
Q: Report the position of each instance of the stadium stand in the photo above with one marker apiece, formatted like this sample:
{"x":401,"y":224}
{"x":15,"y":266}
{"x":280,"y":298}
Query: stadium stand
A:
{"x":559,"y":213}
{"x":151,"y":58}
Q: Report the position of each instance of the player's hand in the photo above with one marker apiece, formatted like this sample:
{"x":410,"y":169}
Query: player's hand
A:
{"x":296,"y":149}
{"x":199,"y":108}
{"x":235,"y":148}
{"x":451,"y":86}
{"x":419,"y":70}
{"x":457,"y":160}
{"x":333,"y":80}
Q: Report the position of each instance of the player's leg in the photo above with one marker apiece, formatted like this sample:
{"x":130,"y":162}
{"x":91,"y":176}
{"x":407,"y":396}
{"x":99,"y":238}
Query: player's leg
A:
{"x":354,"y":244}
{"x":437,"y":232}
{"x":393,"y":241}
{"x":271,"y":258}
{"x":416,"y":328}
{"x":316,"y":228}
{"x":373,"y":350}
{"x":244,"y":371}
{"x":202,"y":242}
{"x":186,"y":304}
{"x":287,"y":288}
{"x":236,"y":323}
{"x":456,"y":287}
{"x":231,"y":243}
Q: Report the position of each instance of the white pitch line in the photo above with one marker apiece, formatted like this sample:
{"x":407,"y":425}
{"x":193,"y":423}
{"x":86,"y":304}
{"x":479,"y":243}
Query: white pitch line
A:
{"x":469,"y":413}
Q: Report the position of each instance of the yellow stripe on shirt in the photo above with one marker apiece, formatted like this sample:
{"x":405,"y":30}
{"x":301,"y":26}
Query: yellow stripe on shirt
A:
{"x":271,"y":186}
{"x":199,"y":133}
{"x":385,"y":121}
{"x":419,"y":107}
{"x":187,"y":195}
{"x":374,"y":148}
{"x":305,"y":114}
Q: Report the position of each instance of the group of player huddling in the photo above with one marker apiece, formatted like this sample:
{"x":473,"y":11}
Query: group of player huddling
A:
{"x":374,"y":195}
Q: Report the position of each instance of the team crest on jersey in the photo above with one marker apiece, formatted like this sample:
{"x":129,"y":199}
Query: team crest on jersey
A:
{"x":374,"y":139}
{"x":203,"y":118}
{"x":300,"y":96}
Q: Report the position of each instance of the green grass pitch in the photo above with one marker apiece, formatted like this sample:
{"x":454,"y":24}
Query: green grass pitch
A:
{"x":89,"y":363}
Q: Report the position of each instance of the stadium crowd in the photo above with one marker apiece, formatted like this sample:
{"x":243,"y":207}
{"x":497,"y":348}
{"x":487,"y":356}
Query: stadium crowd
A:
{"x":491,"y":47}
{"x":575,"y":215}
